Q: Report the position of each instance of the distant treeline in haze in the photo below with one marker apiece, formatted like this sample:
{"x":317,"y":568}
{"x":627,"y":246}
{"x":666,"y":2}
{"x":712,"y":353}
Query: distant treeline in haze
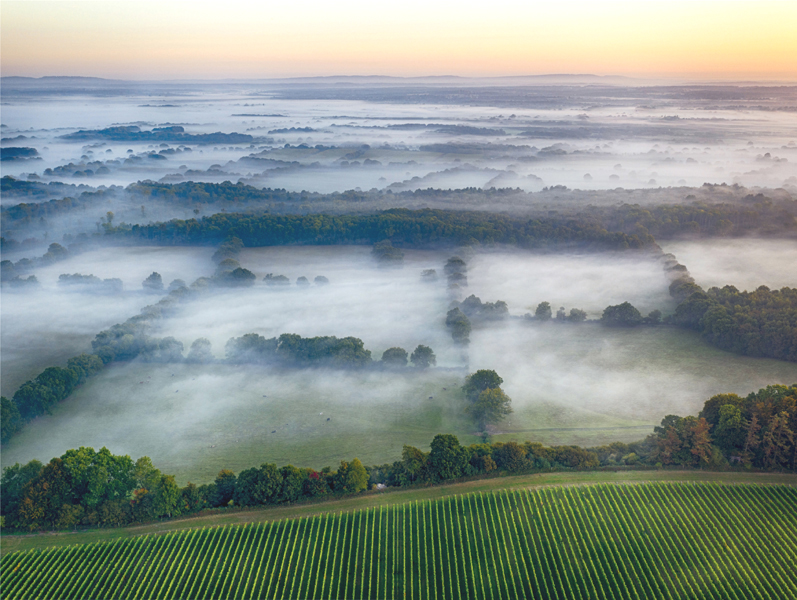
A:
{"x":696,"y":216}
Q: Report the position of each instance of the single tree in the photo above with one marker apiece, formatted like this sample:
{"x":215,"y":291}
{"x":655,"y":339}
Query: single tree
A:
{"x":577,"y":315}
{"x":510,"y":457}
{"x":459,"y":324}
{"x":154,"y":282}
{"x":701,"y":441}
{"x":481,"y":380}
{"x":239,"y":277}
{"x":177,"y":284}
{"x":751,"y":440}
{"x":543,"y":311}
{"x":352,"y":477}
{"x":225,"y":488}
{"x":621,"y":315}
{"x":448,"y":459}
{"x":387,"y":255}
{"x":778,"y":440}
{"x":394,"y":357}
{"x":491,"y":406}
{"x":423,"y":357}
{"x":455,"y":265}
{"x":226,"y":266}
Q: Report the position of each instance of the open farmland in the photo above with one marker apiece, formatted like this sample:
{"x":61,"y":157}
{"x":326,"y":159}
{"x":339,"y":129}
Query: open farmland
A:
{"x":601,"y":541}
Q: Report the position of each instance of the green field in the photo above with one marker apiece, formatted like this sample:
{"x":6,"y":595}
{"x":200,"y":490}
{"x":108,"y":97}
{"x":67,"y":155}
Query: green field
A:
{"x":195,"y":420}
{"x":655,"y":540}
{"x":585,"y":385}
{"x":570,"y":384}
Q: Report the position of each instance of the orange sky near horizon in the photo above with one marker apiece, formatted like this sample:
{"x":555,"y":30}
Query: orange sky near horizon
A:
{"x":686,"y":39}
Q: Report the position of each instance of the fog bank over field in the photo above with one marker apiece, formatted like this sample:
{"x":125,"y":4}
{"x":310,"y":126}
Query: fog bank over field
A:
{"x":570,"y":384}
{"x":589,"y":282}
{"x":325,"y":138}
{"x":574,"y":157}
{"x":44,"y":325}
{"x":194,"y":420}
{"x":133,"y":264}
{"x":746,"y":263}
{"x":383,"y":307}
{"x":579,"y":377}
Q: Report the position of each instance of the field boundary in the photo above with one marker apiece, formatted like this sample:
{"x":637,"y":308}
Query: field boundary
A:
{"x":16,"y":542}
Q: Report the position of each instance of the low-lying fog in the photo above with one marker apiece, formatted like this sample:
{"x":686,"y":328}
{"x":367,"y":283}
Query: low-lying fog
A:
{"x":579,"y":384}
{"x":196,"y":420}
{"x":387,"y":307}
{"x":590,"y":282}
{"x":318,"y":143}
{"x":746,"y":263}
{"x":383,"y":307}
{"x":43,"y":326}
{"x":579,"y":378}
{"x":570,"y":383}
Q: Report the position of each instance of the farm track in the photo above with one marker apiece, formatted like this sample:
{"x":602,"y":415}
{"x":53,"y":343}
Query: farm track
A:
{"x":651,"y":540}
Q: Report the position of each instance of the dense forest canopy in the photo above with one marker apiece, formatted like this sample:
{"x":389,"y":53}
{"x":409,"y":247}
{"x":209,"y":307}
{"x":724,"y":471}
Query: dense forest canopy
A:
{"x":423,"y":228}
{"x":708,"y":212}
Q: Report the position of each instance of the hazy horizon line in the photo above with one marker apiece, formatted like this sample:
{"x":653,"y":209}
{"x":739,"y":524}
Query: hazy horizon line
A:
{"x":539,"y":76}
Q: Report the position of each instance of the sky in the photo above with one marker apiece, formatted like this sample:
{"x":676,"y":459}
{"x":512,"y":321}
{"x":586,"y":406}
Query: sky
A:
{"x":194,"y":39}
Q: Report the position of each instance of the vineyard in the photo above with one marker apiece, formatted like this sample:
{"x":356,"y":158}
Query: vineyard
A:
{"x":656,"y":540}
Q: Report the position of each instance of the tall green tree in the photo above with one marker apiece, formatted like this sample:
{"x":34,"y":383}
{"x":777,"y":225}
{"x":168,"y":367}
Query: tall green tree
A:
{"x":292,"y":483}
{"x":351,"y":477}
{"x":258,"y":486}
{"x":14,"y":480}
{"x":448,"y":459}
{"x":622,"y":315}
{"x":394,"y":357}
{"x":423,"y":357}
{"x":490,"y":408}
{"x":460,"y":326}
{"x":483,"y":379}
{"x":225,"y":488}
{"x":778,"y":441}
{"x":10,"y":419}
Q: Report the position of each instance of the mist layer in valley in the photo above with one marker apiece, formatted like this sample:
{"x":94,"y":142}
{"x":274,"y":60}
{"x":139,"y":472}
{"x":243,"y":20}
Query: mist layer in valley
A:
{"x":395,"y":307}
{"x":586,"y":384}
{"x":746,"y":263}
{"x":321,"y":138}
{"x":194,"y":420}
{"x":564,"y":149}
{"x":44,"y":325}
{"x":570,"y":383}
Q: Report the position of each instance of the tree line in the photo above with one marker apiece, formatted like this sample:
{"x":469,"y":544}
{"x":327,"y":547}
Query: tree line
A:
{"x":292,"y":350}
{"x":753,"y":214}
{"x":84,"y":487}
{"x":758,"y":323}
{"x":12,"y":273}
{"x":409,"y":228}
{"x":123,"y":341}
